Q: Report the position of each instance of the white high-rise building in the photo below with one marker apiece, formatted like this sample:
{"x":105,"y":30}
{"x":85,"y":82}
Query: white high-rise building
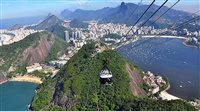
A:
{"x":67,"y":36}
{"x":1,"y":43}
{"x":73,"y":36}
{"x":76,"y":35}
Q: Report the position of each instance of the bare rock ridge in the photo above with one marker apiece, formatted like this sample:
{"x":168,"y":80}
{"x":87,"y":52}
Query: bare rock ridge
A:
{"x":39,"y":53}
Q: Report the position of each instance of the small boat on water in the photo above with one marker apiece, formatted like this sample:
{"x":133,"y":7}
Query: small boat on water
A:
{"x":180,"y":86}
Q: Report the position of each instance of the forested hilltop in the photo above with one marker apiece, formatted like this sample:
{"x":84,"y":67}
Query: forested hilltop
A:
{"x":77,"y":87}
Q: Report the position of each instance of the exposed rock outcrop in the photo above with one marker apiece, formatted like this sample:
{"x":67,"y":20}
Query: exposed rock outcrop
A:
{"x":37,"y":54}
{"x":3,"y":77}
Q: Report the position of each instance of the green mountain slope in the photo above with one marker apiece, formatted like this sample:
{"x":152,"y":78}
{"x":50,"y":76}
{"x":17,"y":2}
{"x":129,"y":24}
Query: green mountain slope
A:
{"x":35,"y":48}
{"x":77,"y":87}
{"x":52,"y":24}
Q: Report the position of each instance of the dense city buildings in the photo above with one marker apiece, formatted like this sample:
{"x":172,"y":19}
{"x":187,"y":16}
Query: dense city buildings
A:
{"x":11,"y":36}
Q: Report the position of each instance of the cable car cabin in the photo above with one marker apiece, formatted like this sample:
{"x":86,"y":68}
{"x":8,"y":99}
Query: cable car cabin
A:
{"x":105,"y":76}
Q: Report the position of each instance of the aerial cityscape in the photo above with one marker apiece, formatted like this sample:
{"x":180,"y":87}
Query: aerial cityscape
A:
{"x":100,"y":55}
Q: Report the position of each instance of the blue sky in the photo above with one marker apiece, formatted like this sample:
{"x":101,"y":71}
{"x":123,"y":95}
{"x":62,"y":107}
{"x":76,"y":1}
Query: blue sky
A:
{"x":28,"y":8}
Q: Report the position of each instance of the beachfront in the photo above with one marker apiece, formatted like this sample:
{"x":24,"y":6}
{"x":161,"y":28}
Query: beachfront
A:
{"x":166,"y":96}
{"x":164,"y":36}
{"x":27,"y":78}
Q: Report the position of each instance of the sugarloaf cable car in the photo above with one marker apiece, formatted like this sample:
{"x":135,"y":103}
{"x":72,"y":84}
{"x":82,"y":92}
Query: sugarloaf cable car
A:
{"x":105,"y":74}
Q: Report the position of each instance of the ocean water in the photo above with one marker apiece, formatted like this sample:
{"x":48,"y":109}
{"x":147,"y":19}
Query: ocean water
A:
{"x":7,"y":23}
{"x":171,"y":59}
{"x":16,"y":96}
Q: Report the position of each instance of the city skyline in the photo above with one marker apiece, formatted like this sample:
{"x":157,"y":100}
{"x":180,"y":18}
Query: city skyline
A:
{"x":30,"y":8}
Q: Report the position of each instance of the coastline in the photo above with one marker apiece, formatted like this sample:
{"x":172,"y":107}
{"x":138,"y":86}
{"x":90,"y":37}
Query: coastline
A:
{"x":4,"y":82}
{"x":151,"y":36}
{"x":164,"y":36}
{"x":189,"y":45}
{"x":166,"y":96}
{"x":25,"y":78}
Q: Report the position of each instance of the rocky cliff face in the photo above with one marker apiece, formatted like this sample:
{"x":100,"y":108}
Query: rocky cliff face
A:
{"x":38,"y":53}
{"x":3,"y":77}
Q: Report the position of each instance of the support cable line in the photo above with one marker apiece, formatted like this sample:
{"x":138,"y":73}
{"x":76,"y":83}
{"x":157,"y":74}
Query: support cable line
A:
{"x":134,"y":10}
{"x":140,"y":18}
{"x":171,"y":38}
{"x":195,"y":13}
{"x":152,"y":15}
{"x":187,"y":22}
{"x":189,"y":16}
{"x":166,"y":11}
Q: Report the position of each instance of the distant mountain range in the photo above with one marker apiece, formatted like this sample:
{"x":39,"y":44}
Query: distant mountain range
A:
{"x":126,"y":14}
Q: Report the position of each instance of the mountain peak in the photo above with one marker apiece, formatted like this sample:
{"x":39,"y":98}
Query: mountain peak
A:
{"x":123,"y":6}
{"x":50,"y":21}
{"x":123,"y":3}
{"x":53,"y":17}
{"x":65,"y":13}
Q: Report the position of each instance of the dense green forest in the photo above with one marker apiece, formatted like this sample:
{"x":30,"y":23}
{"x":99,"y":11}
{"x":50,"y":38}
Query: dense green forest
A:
{"x":77,"y":87}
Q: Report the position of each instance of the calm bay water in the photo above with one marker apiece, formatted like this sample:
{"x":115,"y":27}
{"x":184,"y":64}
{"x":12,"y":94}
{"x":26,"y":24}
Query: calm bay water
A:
{"x":16,"y":96}
{"x":171,"y":59}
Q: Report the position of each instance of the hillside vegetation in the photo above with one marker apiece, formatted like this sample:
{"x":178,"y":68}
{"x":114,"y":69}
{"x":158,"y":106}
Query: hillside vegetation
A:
{"x":77,"y":87}
{"x":37,"y":47}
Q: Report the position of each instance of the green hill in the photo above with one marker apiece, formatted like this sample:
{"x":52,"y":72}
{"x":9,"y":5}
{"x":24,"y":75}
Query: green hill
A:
{"x":77,"y":87}
{"x":35,"y":48}
{"x":52,"y":24}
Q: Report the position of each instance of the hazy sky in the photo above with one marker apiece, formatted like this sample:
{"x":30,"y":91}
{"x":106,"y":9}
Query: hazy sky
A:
{"x":28,"y":8}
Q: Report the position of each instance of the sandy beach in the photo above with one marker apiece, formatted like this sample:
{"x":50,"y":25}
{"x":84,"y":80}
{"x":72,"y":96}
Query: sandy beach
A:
{"x":166,"y":96}
{"x":27,"y":78}
{"x":164,"y":36}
